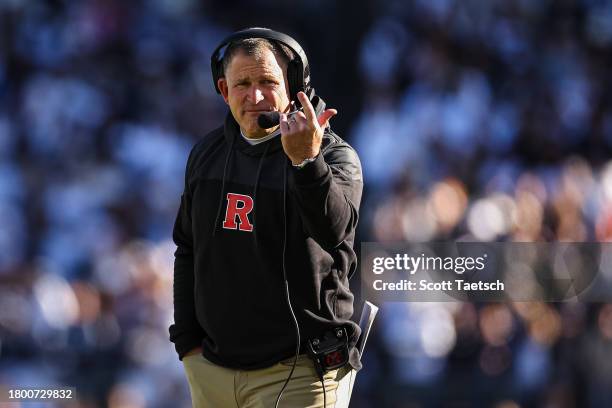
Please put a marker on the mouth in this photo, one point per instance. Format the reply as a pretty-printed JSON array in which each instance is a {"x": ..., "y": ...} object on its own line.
[{"x": 258, "y": 110}]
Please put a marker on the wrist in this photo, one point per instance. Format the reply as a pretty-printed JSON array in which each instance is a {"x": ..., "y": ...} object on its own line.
[
  {"x": 311, "y": 171},
  {"x": 301, "y": 164},
  {"x": 304, "y": 158}
]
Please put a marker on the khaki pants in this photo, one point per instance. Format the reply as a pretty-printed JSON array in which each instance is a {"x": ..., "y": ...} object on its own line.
[{"x": 219, "y": 387}]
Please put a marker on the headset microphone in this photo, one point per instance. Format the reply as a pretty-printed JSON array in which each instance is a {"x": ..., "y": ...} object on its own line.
[{"x": 268, "y": 120}]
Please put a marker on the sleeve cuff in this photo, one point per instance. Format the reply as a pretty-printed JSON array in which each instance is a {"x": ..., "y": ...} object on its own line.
[
  {"x": 311, "y": 171},
  {"x": 185, "y": 342}
]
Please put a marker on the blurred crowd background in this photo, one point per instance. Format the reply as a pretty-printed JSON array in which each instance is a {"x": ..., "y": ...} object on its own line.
[{"x": 478, "y": 119}]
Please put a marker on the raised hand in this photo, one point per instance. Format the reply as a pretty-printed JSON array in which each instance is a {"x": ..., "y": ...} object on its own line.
[{"x": 301, "y": 134}]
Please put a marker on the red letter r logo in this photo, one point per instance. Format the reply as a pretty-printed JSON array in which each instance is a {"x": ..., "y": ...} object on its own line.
[{"x": 240, "y": 206}]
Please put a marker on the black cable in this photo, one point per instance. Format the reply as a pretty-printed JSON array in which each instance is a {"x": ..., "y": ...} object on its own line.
[
  {"x": 324, "y": 393},
  {"x": 321, "y": 374},
  {"x": 287, "y": 296}
]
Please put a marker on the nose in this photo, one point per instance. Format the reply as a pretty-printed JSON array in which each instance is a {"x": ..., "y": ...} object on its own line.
[{"x": 255, "y": 95}]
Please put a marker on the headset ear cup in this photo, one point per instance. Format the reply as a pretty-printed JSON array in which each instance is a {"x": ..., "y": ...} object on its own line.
[
  {"x": 297, "y": 76},
  {"x": 215, "y": 77},
  {"x": 305, "y": 77},
  {"x": 292, "y": 80},
  {"x": 220, "y": 74},
  {"x": 216, "y": 68}
]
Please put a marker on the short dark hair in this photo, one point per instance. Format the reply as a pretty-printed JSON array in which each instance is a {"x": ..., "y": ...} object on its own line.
[{"x": 255, "y": 47}]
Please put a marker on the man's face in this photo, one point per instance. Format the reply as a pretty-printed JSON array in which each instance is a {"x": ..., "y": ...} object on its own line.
[{"x": 252, "y": 86}]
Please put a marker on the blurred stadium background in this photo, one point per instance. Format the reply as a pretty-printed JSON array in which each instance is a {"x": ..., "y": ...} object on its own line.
[{"x": 488, "y": 119}]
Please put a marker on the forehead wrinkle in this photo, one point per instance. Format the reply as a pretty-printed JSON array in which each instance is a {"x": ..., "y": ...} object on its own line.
[
  {"x": 258, "y": 75},
  {"x": 253, "y": 67}
]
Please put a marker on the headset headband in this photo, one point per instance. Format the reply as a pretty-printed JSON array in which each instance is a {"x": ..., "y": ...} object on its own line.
[{"x": 298, "y": 70}]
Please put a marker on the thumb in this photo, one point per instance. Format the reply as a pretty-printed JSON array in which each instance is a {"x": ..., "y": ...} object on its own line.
[{"x": 326, "y": 116}]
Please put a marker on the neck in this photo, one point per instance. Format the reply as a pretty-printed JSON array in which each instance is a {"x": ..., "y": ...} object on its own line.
[
  {"x": 267, "y": 133},
  {"x": 260, "y": 139}
]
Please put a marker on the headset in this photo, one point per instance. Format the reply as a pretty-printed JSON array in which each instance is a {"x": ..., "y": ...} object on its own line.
[{"x": 298, "y": 70}]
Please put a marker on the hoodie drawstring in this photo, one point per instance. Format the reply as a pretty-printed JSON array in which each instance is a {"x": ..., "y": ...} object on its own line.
[
  {"x": 257, "y": 177},
  {"x": 227, "y": 159}
]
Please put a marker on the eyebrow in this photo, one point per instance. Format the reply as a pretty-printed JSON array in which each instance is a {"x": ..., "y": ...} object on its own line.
[{"x": 261, "y": 78}]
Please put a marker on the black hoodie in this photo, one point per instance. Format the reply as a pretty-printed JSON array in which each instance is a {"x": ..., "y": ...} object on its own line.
[{"x": 229, "y": 290}]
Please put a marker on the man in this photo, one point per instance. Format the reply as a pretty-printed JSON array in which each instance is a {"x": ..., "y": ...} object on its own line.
[{"x": 264, "y": 237}]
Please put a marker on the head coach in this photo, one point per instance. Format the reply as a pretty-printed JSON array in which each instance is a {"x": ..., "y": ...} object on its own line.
[{"x": 264, "y": 237}]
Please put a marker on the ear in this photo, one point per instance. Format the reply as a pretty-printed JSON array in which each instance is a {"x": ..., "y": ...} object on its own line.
[{"x": 222, "y": 84}]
